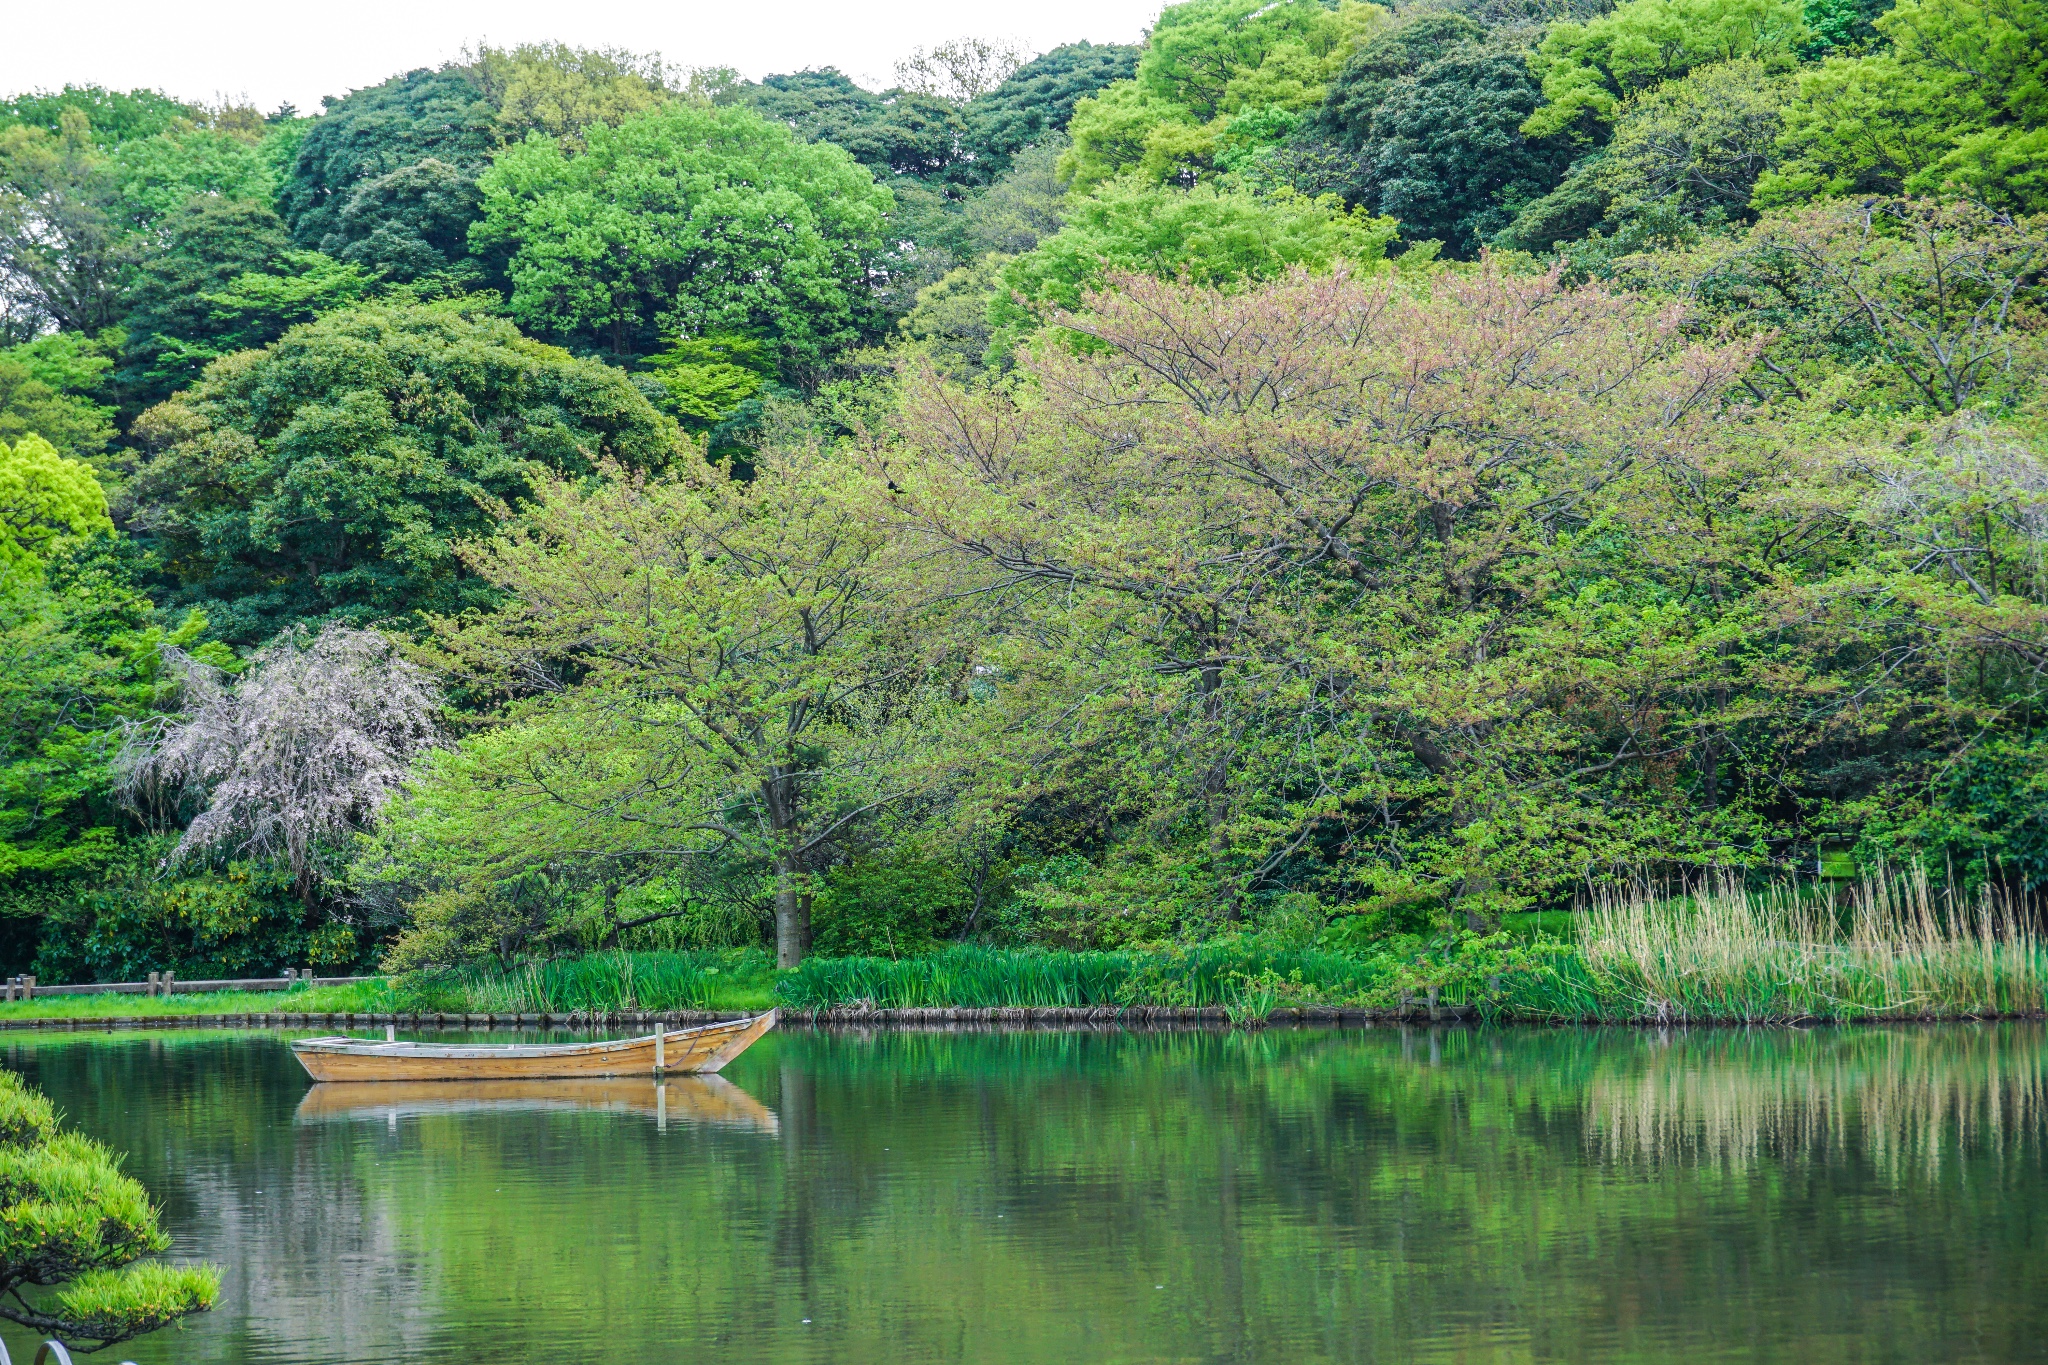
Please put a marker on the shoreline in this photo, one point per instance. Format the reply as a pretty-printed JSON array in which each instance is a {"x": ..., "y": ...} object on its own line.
[{"x": 1020, "y": 1017}]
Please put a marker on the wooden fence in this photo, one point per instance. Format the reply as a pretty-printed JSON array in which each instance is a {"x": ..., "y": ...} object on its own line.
[{"x": 166, "y": 983}]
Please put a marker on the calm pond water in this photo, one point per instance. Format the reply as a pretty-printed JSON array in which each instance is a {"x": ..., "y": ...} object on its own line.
[{"x": 1471, "y": 1196}]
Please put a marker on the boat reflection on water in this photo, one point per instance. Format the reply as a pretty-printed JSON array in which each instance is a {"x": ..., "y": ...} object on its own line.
[{"x": 695, "y": 1101}]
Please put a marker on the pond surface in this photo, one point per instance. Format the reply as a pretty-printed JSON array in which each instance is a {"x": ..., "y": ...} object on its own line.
[{"x": 1472, "y": 1196}]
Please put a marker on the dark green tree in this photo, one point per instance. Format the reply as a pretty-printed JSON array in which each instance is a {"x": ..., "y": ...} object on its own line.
[
  {"x": 409, "y": 223},
  {"x": 900, "y": 133},
  {"x": 1038, "y": 99},
  {"x": 423, "y": 115},
  {"x": 173, "y": 327},
  {"x": 1447, "y": 157},
  {"x": 1354, "y": 98},
  {"x": 331, "y": 474}
]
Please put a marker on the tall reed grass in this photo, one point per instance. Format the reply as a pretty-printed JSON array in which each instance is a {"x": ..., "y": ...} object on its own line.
[{"x": 1893, "y": 947}]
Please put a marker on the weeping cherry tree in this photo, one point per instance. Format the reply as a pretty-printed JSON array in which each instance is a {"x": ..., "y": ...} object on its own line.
[{"x": 293, "y": 757}]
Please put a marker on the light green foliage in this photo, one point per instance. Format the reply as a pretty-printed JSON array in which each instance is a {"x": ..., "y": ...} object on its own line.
[
  {"x": 1954, "y": 102},
  {"x": 362, "y": 997},
  {"x": 1873, "y": 307},
  {"x": 748, "y": 690},
  {"x": 687, "y": 219},
  {"x": 599, "y": 982},
  {"x": 157, "y": 175},
  {"x": 1213, "y": 57},
  {"x": 1128, "y": 126},
  {"x": 952, "y": 314},
  {"x": 47, "y": 501},
  {"x": 978, "y": 978},
  {"x": 707, "y": 378},
  {"x": 85, "y": 657},
  {"x": 114, "y": 116},
  {"x": 1207, "y": 60},
  {"x": 258, "y": 306},
  {"x": 1588, "y": 69},
  {"x": 1210, "y": 236},
  {"x": 47, "y": 388},
  {"x": 558, "y": 90},
  {"x": 1694, "y": 147},
  {"x": 69, "y": 1218}
]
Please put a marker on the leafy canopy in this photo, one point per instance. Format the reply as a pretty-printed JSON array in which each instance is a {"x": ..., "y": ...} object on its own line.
[
  {"x": 1210, "y": 236},
  {"x": 1956, "y": 100},
  {"x": 46, "y": 501},
  {"x": 688, "y": 219},
  {"x": 332, "y": 472},
  {"x": 1588, "y": 69},
  {"x": 1038, "y": 99}
]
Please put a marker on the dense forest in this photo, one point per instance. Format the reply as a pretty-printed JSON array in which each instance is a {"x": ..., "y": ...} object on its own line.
[{"x": 1332, "y": 472}]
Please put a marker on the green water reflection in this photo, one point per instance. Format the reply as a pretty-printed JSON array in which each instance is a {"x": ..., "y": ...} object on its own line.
[{"x": 1868, "y": 1195}]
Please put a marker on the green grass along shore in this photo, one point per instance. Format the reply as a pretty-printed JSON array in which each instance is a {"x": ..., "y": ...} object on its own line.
[{"x": 1892, "y": 950}]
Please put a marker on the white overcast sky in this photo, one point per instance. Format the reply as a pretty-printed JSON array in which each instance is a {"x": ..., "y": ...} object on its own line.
[{"x": 271, "y": 51}]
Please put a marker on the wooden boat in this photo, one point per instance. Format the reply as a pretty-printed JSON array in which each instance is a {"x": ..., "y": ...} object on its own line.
[
  {"x": 704, "y": 1048},
  {"x": 700, "y": 1101}
]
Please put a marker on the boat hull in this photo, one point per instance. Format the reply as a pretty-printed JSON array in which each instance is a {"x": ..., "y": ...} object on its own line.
[{"x": 700, "y": 1050}]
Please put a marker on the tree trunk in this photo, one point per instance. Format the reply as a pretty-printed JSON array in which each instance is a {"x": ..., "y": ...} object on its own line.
[
  {"x": 792, "y": 900},
  {"x": 792, "y": 915}
]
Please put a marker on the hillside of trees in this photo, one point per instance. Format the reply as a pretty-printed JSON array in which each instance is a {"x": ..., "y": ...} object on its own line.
[{"x": 1349, "y": 474}]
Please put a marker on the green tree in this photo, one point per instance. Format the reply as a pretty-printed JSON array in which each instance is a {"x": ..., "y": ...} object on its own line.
[
  {"x": 116, "y": 116},
  {"x": 1694, "y": 148},
  {"x": 1209, "y": 236},
  {"x": 47, "y": 388},
  {"x": 1213, "y": 57},
  {"x": 420, "y": 116},
  {"x": 331, "y": 473},
  {"x": 734, "y": 673},
  {"x": 46, "y": 502},
  {"x": 1038, "y": 99},
  {"x": 1204, "y": 62},
  {"x": 1446, "y": 158},
  {"x": 75, "y": 1223},
  {"x": 63, "y": 242},
  {"x": 689, "y": 219},
  {"x": 1955, "y": 100},
  {"x": 1588, "y": 69},
  {"x": 1354, "y": 96},
  {"x": 86, "y": 653},
  {"x": 155, "y": 176},
  {"x": 173, "y": 328},
  {"x": 1127, "y": 127},
  {"x": 558, "y": 90}
]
